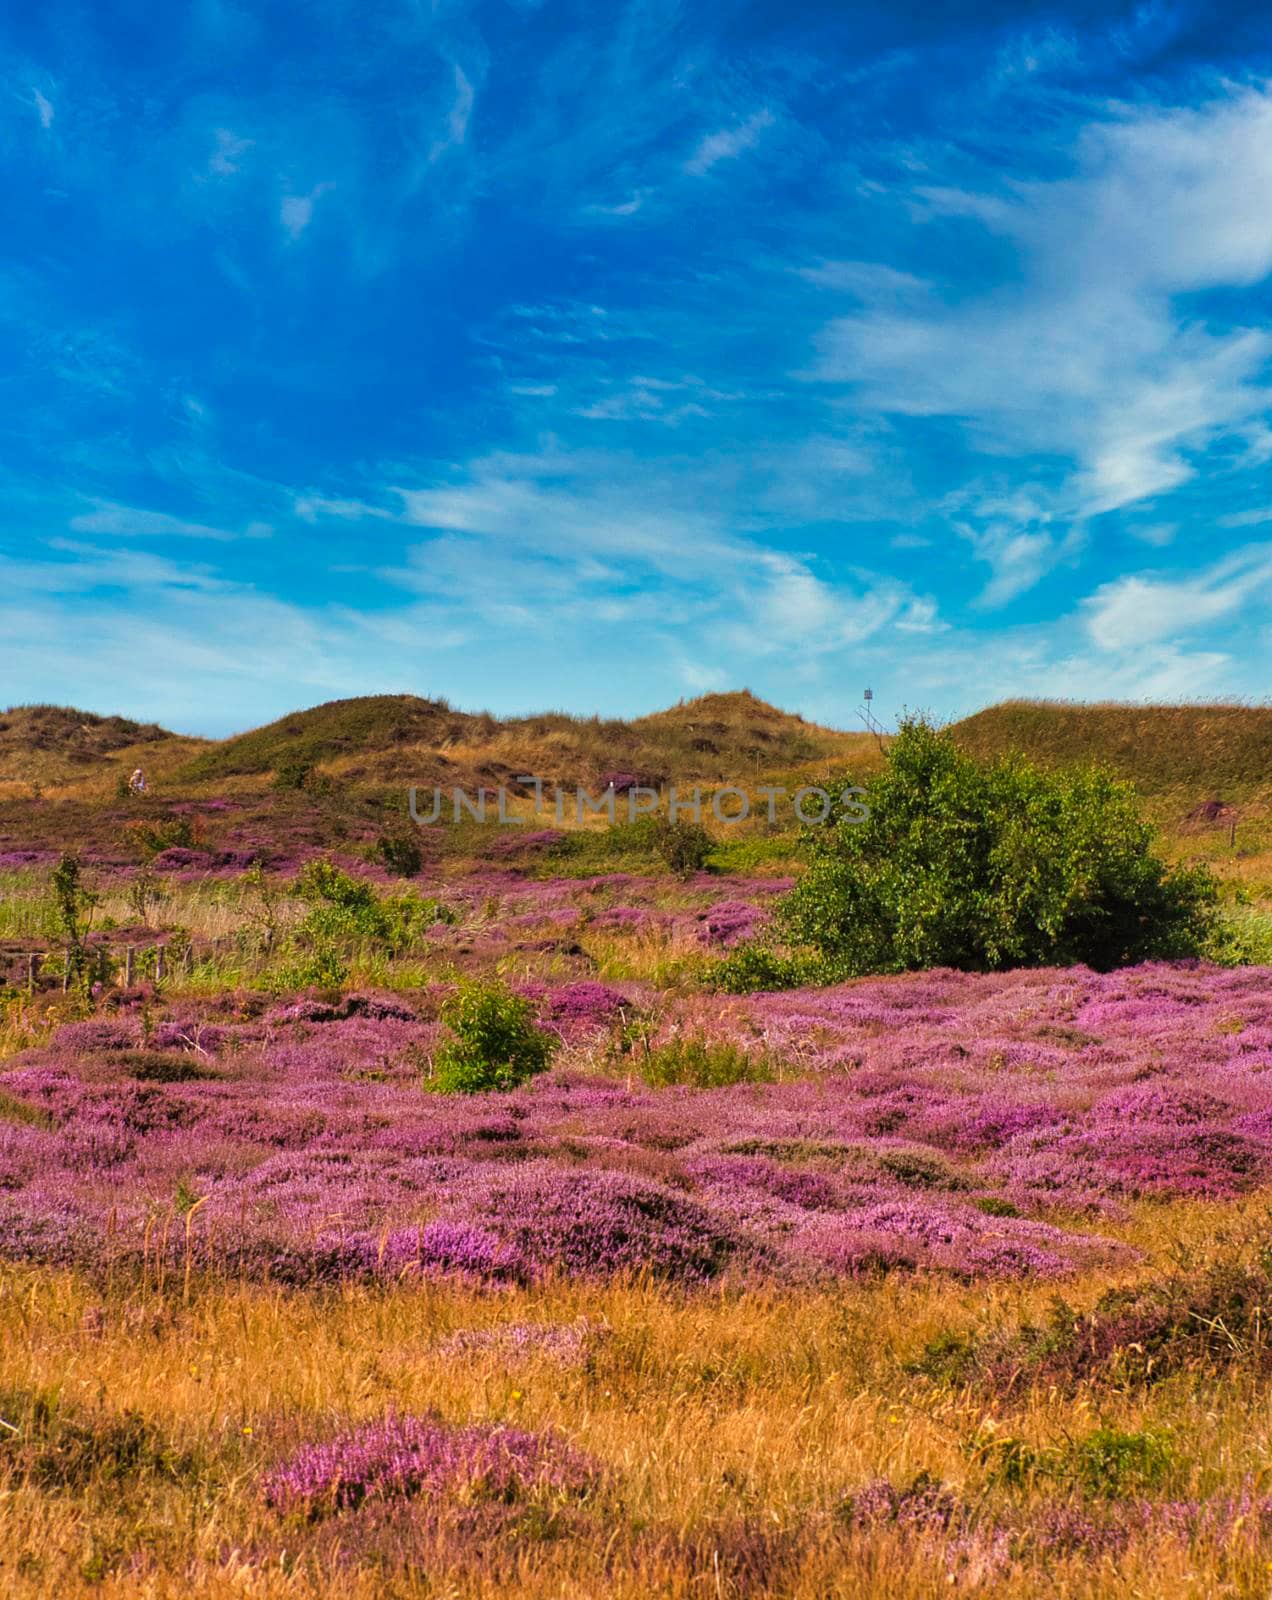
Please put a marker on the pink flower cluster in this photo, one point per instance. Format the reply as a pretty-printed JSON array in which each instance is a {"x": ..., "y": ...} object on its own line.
[
  {"x": 407, "y": 1456},
  {"x": 941, "y": 1121}
]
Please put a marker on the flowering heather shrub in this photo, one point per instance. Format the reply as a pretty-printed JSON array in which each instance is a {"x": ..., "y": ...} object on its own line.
[
  {"x": 542, "y": 841},
  {"x": 728, "y": 922},
  {"x": 576, "y": 1007},
  {"x": 378, "y": 1007},
  {"x": 436, "y": 1250},
  {"x": 1188, "y": 1322},
  {"x": 630, "y": 919},
  {"x": 88, "y": 1038},
  {"x": 923, "y": 1505},
  {"x": 408, "y": 1456},
  {"x": 935, "y": 1122},
  {"x": 12, "y": 859},
  {"x": 1050, "y": 1530},
  {"x": 180, "y": 859},
  {"x": 567, "y": 1344},
  {"x": 592, "y": 1224}
]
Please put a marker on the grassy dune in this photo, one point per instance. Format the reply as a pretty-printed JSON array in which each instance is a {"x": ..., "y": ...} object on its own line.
[{"x": 1202, "y": 750}]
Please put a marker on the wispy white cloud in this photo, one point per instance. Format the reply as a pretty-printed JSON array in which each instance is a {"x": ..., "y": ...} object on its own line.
[
  {"x": 1088, "y": 351},
  {"x": 1135, "y": 610},
  {"x": 228, "y": 152},
  {"x": 458, "y": 117},
  {"x": 44, "y": 108},
  {"x": 728, "y": 143},
  {"x": 296, "y": 211},
  {"x": 132, "y": 521}
]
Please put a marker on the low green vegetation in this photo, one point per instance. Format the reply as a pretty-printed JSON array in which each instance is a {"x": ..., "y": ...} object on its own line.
[
  {"x": 698, "y": 1063},
  {"x": 494, "y": 1042}
]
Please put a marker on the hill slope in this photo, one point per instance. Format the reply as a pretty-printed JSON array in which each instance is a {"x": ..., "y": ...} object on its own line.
[
  {"x": 1215, "y": 749},
  {"x": 48, "y": 745},
  {"x": 323, "y": 733},
  {"x": 401, "y": 737}
]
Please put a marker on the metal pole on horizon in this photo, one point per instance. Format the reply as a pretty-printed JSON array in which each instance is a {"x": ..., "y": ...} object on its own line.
[{"x": 867, "y": 716}]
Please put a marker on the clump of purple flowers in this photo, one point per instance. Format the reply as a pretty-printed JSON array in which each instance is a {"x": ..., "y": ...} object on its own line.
[
  {"x": 566, "y": 1343},
  {"x": 407, "y": 1456},
  {"x": 730, "y": 921},
  {"x": 526, "y": 844}
]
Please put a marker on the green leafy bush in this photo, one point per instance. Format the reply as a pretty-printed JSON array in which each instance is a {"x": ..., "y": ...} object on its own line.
[
  {"x": 345, "y": 911},
  {"x": 1241, "y": 937},
  {"x": 1107, "y": 1461},
  {"x": 683, "y": 847},
  {"x": 153, "y": 837},
  {"x": 754, "y": 966},
  {"x": 73, "y": 905},
  {"x": 293, "y": 775},
  {"x": 494, "y": 1044},
  {"x": 400, "y": 853},
  {"x": 983, "y": 867},
  {"x": 340, "y": 906}
]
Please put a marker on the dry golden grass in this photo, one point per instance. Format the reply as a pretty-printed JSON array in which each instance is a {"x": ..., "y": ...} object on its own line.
[{"x": 711, "y": 1412}]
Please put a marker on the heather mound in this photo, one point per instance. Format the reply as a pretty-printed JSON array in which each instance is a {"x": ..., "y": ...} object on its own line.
[{"x": 947, "y": 1123}]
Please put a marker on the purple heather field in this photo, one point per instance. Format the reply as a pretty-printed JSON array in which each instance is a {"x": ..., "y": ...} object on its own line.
[{"x": 982, "y": 1126}]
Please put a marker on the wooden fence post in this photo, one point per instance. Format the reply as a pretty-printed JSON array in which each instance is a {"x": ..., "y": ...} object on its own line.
[
  {"x": 128, "y": 967},
  {"x": 158, "y": 963}
]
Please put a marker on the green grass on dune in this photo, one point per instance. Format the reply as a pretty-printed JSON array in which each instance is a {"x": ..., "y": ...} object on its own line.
[{"x": 1222, "y": 751}]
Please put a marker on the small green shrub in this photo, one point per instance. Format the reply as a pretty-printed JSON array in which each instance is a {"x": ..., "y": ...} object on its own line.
[
  {"x": 400, "y": 854},
  {"x": 683, "y": 847},
  {"x": 320, "y": 967},
  {"x": 753, "y": 966},
  {"x": 293, "y": 775},
  {"x": 495, "y": 1042},
  {"x": 146, "y": 893},
  {"x": 151, "y": 838},
  {"x": 73, "y": 905},
  {"x": 346, "y": 914},
  {"x": 408, "y": 916},
  {"x": 60, "y": 1448},
  {"x": 340, "y": 906},
  {"x": 1107, "y": 1461},
  {"x": 1241, "y": 937}
]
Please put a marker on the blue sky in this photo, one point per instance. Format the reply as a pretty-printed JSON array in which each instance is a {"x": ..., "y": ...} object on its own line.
[{"x": 565, "y": 354}]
